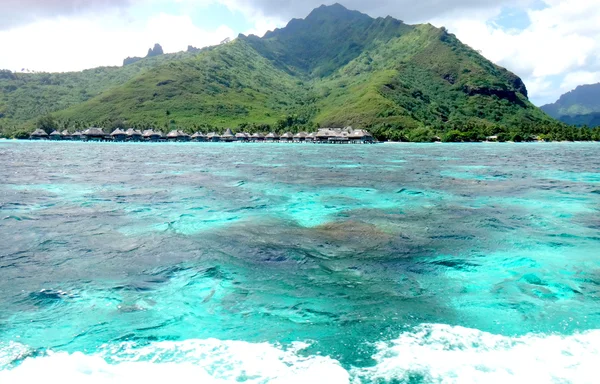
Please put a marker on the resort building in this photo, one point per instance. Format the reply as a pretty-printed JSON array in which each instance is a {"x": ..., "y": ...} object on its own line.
[
  {"x": 343, "y": 136},
  {"x": 119, "y": 135},
  {"x": 287, "y": 137},
  {"x": 272, "y": 137},
  {"x": 198, "y": 137},
  {"x": 241, "y": 136},
  {"x": 346, "y": 135},
  {"x": 177, "y": 135},
  {"x": 39, "y": 134},
  {"x": 134, "y": 135},
  {"x": 213, "y": 137},
  {"x": 228, "y": 136},
  {"x": 94, "y": 134},
  {"x": 152, "y": 135},
  {"x": 55, "y": 135},
  {"x": 300, "y": 137}
]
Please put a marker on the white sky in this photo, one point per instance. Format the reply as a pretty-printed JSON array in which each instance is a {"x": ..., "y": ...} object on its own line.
[{"x": 554, "y": 45}]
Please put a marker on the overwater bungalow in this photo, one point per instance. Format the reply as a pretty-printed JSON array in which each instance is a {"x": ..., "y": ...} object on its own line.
[
  {"x": 256, "y": 137},
  {"x": 119, "y": 135},
  {"x": 272, "y": 137},
  {"x": 213, "y": 137},
  {"x": 173, "y": 135},
  {"x": 77, "y": 135},
  {"x": 198, "y": 137},
  {"x": 311, "y": 137},
  {"x": 55, "y": 135},
  {"x": 241, "y": 136},
  {"x": 94, "y": 134},
  {"x": 147, "y": 134},
  {"x": 228, "y": 136},
  {"x": 287, "y": 137},
  {"x": 339, "y": 139},
  {"x": 134, "y": 135},
  {"x": 323, "y": 135},
  {"x": 152, "y": 135},
  {"x": 39, "y": 134},
  {"x": 358, "y": 136},
  {"x": 300, "y": 137},
  {"x": 184, "y": 137},
  {"x": 65, "y": 135}
]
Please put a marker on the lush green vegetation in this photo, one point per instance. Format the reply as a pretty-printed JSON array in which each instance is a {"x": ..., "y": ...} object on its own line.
[
  {"x": 26, "y": 96},
  {"x": 335, "y": 68}
]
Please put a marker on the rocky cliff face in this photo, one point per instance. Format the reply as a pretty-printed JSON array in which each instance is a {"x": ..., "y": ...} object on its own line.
[{"x": 157, "y": 50}]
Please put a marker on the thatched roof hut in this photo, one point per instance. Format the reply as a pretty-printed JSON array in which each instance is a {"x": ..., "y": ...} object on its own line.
[
  {"x": 360, "y": 135},
  {"x": 66, "y": 135},
  {"x": 77, "y": 135},
  {"x": 147, "y": 133},
  {"x": 134, "y": 134},
  {"x": 183, "y": 136},
  {"x": 241, "y": 136},
  {"x": 325, "y": 133},
  {"x": 257, "y": 137},
  {"x": 119, "y": 135},
  {"x": 198, "y": 136},
  {"x": 272, "y": 137},
  {"x": 55, "y": 135},
  {"x": 173, "y": 135},
  {"x": 38, "y": 134},
  {"x": 94, "y": 133},
  {"x": 228, "y": 135}
]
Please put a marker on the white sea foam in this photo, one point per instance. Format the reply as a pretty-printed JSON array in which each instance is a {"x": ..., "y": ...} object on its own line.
[
  {"x": 430, "y": 353},
  {"x": 197, "y": 361},
  {"x": 436, "y": 353}
]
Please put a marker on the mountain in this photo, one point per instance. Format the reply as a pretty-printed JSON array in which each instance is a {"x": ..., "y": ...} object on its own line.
[
  {"x": 581, "y": 106},
  {"x": 336, "y": 67}
]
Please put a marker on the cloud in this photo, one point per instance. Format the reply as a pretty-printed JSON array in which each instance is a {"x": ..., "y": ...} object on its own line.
[
  {"x": 18, "y": 12},
  {"x": 76, "y": 43}
]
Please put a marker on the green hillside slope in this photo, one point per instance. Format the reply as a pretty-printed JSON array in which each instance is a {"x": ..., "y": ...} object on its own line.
[
  {"x": 25, "y": 96},
  {"x": 228, "y": 85}
]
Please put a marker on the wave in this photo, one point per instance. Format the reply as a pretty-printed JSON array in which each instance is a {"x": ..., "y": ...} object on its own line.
[
  {"x": 203, "y": 361},
  {"x": 430, "y": 353},
  {"x": 435, "y": 353}
]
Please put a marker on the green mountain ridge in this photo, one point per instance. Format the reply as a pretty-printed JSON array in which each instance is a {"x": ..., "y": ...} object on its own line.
[
  {"x": 580, "y": 106},
  {"x": 336, "y": 67}
]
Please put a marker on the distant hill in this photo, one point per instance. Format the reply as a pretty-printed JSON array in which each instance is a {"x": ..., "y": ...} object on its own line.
[
  {"x": 581, "y": 106},
  {"x": 336, "y": 67}
]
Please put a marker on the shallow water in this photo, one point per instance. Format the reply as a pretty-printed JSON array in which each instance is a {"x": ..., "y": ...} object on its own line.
[{"x": 295, "y": 263}]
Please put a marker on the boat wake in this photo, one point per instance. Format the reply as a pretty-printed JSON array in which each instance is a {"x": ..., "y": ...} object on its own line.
[{"x": 429, "y": 353}]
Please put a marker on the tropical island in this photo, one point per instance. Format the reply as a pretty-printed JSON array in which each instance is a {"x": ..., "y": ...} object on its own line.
[{"x": 335, "y": 68}]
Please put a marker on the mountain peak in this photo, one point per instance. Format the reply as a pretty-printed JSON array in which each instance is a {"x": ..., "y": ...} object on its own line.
[
  {"x": 335, "y": 11},
  {"x": 156, "y": 51}
]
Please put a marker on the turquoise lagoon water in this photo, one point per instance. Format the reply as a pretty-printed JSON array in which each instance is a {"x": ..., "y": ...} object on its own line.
[{"x": 220, "y": 263}]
